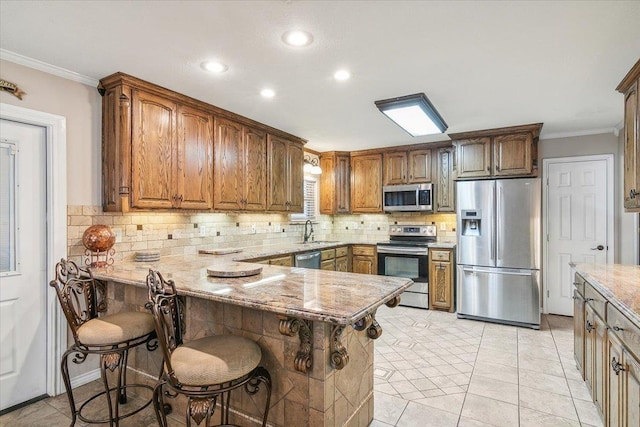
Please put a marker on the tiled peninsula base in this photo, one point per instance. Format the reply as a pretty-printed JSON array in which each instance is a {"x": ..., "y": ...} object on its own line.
[{"x": 322, "y": 397}]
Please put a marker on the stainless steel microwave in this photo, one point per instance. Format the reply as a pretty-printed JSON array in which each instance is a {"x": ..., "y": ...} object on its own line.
[{"x": 408, "y": 198}]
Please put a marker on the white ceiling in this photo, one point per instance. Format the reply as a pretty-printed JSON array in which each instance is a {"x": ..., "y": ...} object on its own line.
[{"x": 482, "y": 64}]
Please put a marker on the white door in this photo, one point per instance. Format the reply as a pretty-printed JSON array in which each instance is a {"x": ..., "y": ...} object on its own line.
[
  {"x": 23, "y": 284},
  {"x": 577, "y": 225}
]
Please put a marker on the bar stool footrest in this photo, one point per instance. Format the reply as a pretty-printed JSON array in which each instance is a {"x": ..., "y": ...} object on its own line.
[{"x": 118, "y": 397}]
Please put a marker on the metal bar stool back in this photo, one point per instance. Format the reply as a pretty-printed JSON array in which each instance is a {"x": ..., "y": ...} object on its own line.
[
  {"x": 204, "y": 370},
  {"x": 82, "y": 299}
]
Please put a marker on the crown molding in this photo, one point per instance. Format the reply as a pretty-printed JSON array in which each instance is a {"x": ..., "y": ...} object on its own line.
[
  {"x": 36, "y": 64},
  {"x": 557, "y": 135}
]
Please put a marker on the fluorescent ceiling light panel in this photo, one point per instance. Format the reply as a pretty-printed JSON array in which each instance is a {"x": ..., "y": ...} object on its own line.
[{"x": 413, "y": 113}]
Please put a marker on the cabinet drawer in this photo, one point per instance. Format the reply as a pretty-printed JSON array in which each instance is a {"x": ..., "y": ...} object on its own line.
[
  {"x": 363, "y": 250},
  {"x": 329, "y": 264},
  {"x": 342, "y": 251},
  {"x": 595, "y": 300},
  {"x": 440, "y": 255},
  {"x": 628, "y": 333},
  {"x": 327, "y": 254},
  {"x": 578, "y": 283},
  {"x": 283, "y": 261}
]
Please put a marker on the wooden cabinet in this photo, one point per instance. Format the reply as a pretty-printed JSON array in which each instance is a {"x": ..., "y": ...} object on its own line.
[
  {"x": 153, "y": 141},
  {"x": 441, "y": 282},
  {"x": 473, "y": 158},
  {"x": 158, "y": 152},
  {"x": 239, "y": 167},
  {"x": 342, "y": 264},
  {"x": 407, "y": 167},
  {"x": 610, "y": 343},
  {"x": 629, "y": 87},
  {"x": 364, "y": 259},
  {"x": 444, "y": 187},
  {"x": 366, "y": 183},
  {"x": 335, "y": 182},
  {"x": 285, "y": 175},
  {"x": 510, "y": 151}
]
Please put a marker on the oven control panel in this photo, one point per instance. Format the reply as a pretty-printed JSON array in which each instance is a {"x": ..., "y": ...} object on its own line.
[{"x": 413, "y": 230}]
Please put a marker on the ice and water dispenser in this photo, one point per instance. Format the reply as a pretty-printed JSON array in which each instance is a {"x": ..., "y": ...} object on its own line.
[{"x": 472, "y": 222}]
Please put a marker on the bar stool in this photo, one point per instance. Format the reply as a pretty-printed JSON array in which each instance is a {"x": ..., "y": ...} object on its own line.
[
  {"x": 109, "y": 336},
  {"x": 203, "y": 370}
]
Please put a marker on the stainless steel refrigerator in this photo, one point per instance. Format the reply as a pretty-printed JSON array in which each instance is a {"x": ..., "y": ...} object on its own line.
[{"x": 498, "y": 229}]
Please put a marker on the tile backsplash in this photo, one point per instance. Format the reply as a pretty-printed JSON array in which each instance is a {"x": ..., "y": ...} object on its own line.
[{"x": 184, "y": 233}]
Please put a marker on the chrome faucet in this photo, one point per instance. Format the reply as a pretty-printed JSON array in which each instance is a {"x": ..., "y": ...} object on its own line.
[{"x": 308, "y": 234}]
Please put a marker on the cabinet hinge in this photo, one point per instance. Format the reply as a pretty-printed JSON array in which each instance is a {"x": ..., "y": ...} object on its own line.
[
  {"x": 547, "y": 293},
  {"x": 547, "y": 237}
]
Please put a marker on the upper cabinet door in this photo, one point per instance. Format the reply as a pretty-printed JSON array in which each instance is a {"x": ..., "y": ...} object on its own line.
[
  {"x": 228, "y": 171},
  {"x": 512, "y": 154},
  {"x": 444, "y": 188},
  {"x": 255, "y": 169},
  {"x": 343, "y": 183},
  {"x": 195, "y": 159},
  {"x": 473, "y": 157},
  {"x": 277, "y": 165},
  {"x": 296, "y": 178},
  {"x": 328, "y": 187},
  {"x": 395, "y": 168},
  {"x": 152, "y": 151},
  {"x": 366, "y": 183},
  {"x": 419, "y": 166}
]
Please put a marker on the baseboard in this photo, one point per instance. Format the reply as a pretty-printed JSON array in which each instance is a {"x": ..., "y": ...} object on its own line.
[{"x": 85, "y": 378}]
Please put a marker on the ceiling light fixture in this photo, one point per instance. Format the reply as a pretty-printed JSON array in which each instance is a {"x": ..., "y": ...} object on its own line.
[
  {"x": 267, "y": 93},
  {"x": 342, "y": 75},
  {"x": 311, "y": 165},
  {"x": 297, "y": 38},
  {"x": 214, "y": 67},
  {"x": 413, "y": 113}
]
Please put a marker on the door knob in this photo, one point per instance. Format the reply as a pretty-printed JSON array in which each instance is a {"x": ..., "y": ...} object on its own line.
[{"x": 599, "y": 248}]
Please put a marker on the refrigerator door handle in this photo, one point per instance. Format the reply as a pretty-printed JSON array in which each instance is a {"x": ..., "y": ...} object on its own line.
[
  {"x": 498, "y": 271},
  {"x": 498, "y": 232}
]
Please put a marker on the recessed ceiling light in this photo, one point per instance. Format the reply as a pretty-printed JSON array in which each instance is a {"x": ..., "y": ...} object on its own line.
[
  {"x": 342, "y": 75},
  {"x": 267, "y": 93},
  {"x": 214, "y": 67},
  {"x": 297, "y": 38}
]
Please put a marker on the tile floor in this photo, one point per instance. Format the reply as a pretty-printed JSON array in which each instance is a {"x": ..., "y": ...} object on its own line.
[{"x": 432, "y": 369}]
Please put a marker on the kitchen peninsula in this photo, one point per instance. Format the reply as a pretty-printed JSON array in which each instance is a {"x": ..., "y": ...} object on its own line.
[{"x": 315, "y": 329}]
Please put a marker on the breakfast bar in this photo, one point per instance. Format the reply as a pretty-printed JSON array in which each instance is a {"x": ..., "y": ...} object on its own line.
[{"x": 315, "y": 329}]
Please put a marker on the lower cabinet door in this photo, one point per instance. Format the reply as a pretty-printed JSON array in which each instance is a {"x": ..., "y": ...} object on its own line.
[
  {"x": 342, "y": 264},
  {"x": 578, "y": 331},
  {"x": 614, "y": 380},
  {"x": 328, "y": 264},
  {"x": 600, "y": 362},
  {"x": 631, "y": 393}
]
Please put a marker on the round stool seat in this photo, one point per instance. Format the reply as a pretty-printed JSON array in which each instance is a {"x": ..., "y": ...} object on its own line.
[
  {"x": 114, "y": 328},
  {"x": 215, "y": 360}
]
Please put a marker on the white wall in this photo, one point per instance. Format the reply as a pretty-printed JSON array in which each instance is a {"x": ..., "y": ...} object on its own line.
[{"x": 81, "y": 106}]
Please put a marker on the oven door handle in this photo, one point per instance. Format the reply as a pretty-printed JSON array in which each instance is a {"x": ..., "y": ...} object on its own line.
[{"x": 403, "y": 251}]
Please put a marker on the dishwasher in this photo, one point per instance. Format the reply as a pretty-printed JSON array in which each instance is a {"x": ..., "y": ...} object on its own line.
[{"x": 308, "y": 260}]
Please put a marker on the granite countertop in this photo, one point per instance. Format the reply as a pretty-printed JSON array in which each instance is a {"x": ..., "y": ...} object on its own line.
[
  {"x": 620, "y": 284},
  {"x": 318, "y": 295}
]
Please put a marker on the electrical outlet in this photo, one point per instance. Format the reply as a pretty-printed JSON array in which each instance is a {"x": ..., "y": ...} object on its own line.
[
  {"x": 443, "y": 226},
  {"x": 203, "y": 230},
  {"x": 118, "y": 233},
  {"x": 253, "y": 229}
]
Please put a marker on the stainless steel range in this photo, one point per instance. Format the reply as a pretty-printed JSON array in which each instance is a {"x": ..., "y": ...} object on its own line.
[{"x": 406, "y": 254}]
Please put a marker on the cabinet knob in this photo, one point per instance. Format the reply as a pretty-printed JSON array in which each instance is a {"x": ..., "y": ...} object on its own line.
[
  {"x": 616, "y": 366},
  {"x": 633, "y": 193},
  {"x": 488, "y": 168},
  {"x": 498, "y": 168},
  {"x": 618, "y": 328},
  {"x": 589, "y": 326}
]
